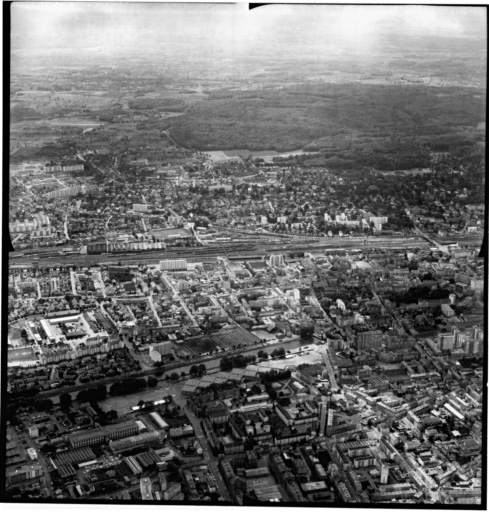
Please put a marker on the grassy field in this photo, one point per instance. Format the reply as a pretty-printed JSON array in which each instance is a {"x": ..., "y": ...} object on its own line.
[
  {"x": 218, "y": 156},
  {"x": 72, "y": 121},
  {"x": 243, "y": 153}
]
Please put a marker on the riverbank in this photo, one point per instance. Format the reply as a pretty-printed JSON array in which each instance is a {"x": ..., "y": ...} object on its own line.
[{"x": 123, "y": 404}]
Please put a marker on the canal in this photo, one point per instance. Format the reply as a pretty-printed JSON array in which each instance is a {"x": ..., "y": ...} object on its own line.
[{"x": 123, "y": 404}]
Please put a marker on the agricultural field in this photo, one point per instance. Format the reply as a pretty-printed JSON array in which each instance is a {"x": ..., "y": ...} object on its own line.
[
  {"x": 46, "y": 102},
  {"x": 72, "y": 121}
]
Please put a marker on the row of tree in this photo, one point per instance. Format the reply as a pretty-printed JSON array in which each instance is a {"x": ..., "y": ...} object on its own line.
[
  {"x": 198, "y": 369},
  {"x": 127, "y": 386},
  {"x": 174, "y": 376},
  {"x": 278, "y": 352},
  {"x": 238, "y": 361}
]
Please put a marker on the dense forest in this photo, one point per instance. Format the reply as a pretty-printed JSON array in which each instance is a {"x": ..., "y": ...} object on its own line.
[
  {"x": 387, "y": 153},
  {"x": 388, "y": 127},
  {"x": 166, "y": 104}
]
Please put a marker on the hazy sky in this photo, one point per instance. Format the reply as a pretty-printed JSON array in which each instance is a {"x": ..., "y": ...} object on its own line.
[{"x": 203, "y": 26}]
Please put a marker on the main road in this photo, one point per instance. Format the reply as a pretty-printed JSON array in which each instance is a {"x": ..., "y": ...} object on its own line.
[{"x": 209, "y": 458}]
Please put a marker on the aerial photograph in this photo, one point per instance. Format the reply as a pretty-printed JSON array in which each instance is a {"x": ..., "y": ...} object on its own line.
[{"x": 247, "y": 259}]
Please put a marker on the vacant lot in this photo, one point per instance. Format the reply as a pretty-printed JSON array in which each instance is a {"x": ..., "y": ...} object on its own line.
[{"x": 167, "y": 232}]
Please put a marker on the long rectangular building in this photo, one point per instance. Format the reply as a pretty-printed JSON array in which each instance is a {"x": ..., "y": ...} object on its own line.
[
  {"x": 180, "y": 264},
  {"x": 158, "y": 420},
  {"x": 100, "y": 435},
  {"x": 145, "y": 439},
  {"x": 64, "y": 167}
]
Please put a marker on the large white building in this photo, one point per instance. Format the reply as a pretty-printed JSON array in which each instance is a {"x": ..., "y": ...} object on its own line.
[
  {"x": 64, "y": 167},
  {"x": 156, "y": 352},
  {"x": 144, "y": 208},
  {"x": 39, "y": 221},
  {"x": 276, "y": 260},
  {"x": 146, "y": 488},
  {"x": 64, "y": 192},
  {"x": 341, "y": 218},
  {"x": 72, "y": 191},
  {"x": 173, "y": 264},
  {"x": 378, "y": 222}
]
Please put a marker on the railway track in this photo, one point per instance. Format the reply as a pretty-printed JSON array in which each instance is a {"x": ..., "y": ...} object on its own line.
[{"x": 257, "y": 249}]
